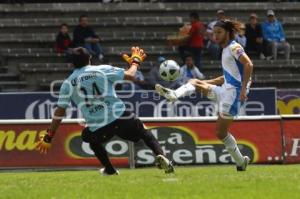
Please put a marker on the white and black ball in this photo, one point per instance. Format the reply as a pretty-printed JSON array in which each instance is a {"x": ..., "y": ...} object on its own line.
[{"x": 169, "y": 70}]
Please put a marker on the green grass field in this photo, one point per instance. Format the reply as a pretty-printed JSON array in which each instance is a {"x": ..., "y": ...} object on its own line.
[{"x": 209, "y": 182}]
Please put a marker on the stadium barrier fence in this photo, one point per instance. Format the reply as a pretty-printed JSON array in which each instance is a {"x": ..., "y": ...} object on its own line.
[{"x": 187, "y": 141}]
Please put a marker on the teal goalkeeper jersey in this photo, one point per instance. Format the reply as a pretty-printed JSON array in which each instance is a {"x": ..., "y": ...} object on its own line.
[{"x": 91, "y": 88}]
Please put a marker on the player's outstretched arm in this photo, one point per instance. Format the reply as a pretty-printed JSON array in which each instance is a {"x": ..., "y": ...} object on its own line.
[
  {"x": 137, "y": 57},
  {"x": 44, "y": 144},
  {"x": 129, "y": 74},
  {"x": 248, "y": 68}
]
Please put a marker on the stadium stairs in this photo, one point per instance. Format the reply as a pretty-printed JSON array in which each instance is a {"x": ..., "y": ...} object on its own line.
[{"x": 28, "y": 61}]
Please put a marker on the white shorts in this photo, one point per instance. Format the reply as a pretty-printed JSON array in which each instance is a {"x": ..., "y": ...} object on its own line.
[{"x": 227, "y": 99}]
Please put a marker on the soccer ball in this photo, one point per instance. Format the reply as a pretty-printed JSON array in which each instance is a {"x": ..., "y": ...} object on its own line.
[{"x": 169, "y": 70}]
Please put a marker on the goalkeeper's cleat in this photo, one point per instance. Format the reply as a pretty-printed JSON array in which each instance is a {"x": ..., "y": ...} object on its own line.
[
  {"x": 105, "y": 173},
  {"x": 169, "y": 94},
  {"x": 158, "y": 165},
  {"x": 243, "y": 167},
  {"x": 165, "y": 164}
]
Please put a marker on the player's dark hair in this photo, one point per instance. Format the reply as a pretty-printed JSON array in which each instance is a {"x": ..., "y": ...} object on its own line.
[
  {"x": 80, "y": 57},
  {"x": 231, "y": 26},
  {"x": 194, "y": 15},
  {"x": 82, "y": 16}
]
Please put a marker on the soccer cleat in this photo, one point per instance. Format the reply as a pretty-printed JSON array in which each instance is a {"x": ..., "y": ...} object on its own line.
[
  {"x": 158, "y": 165},
  {"x": 165, "y": 164},
  {"x": 244, "y": 165},
  {"x": 169, "y": 94},
  {"x": 105, "y": 173}
]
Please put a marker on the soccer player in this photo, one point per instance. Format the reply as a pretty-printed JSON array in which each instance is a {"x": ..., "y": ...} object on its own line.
[
  {"x": 91, "y": 88},
  {"x": 229, "y": 90}
]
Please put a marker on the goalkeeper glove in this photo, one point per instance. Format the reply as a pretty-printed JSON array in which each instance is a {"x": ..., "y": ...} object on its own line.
[
  {"x": 44, "y": 144},
  {"x": 137, "y": 56}
]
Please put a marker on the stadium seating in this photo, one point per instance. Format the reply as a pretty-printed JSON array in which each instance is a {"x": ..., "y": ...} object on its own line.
[{"x": 28, "y": 60}]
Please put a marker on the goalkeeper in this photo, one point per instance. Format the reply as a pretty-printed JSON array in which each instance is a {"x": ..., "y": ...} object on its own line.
[{"x": 91, "y": 88}]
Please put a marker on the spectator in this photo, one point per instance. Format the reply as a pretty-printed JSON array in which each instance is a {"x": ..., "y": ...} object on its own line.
[
  {"x": 240, "y": 37},
  {"x": 84, "y": 36},
  {"x": 274, "y": 34},
  {"x": 190, "y": 71},
  {"x": 195, "y": 40},
  {"x": 63, "y": 42},
  {"x": 254, "y": 37},
  {"x": 154, "y": 76},
  {"x": 213, "y": 48},
  {"x": 139, "y": 82}
]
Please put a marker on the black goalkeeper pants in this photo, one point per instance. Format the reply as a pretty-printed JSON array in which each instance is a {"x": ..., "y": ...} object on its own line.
[{"x": 127, "y": 127}]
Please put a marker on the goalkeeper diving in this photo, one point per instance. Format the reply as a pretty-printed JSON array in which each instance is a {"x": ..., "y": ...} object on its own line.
[{"x": 91, "y": 88}]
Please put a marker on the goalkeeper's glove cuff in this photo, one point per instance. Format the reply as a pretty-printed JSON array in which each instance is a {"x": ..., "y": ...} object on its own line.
[
  {"x": 49, "y": 136},
  {"x": 136, "y": 60}
]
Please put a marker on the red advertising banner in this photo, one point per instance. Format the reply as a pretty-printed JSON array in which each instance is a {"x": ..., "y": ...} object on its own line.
[
  {"x": 196, "y": 143},
  {"x": 291, "y": 130},
  {"x": 185, "y": 142},
  {"x": 17, "y": 143}
]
